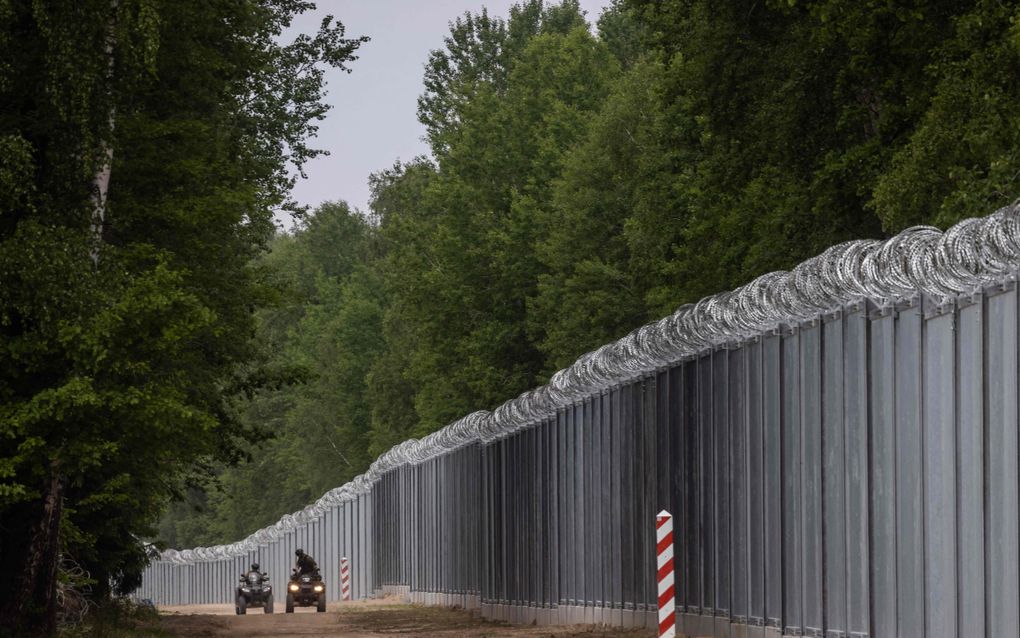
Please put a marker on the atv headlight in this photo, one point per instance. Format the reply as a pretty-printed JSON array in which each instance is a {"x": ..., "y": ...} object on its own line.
[
  {"x": 294, "y": 587},
  {"x": 317, "y": 588},
  {"x": 246, "y": 589}
]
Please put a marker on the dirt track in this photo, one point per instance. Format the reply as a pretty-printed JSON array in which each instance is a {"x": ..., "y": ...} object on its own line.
[{"x": 364, "y": 619}]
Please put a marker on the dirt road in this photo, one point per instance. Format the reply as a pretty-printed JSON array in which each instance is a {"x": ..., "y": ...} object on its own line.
[{"x": 363, "y": 619}]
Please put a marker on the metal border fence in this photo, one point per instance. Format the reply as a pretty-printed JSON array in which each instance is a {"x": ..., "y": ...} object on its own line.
[{"x": 837, "y": 445}]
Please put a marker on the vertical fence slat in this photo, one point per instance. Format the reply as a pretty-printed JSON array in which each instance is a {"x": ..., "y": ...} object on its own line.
[
  {"x": 855, "y": 350},
  {"x": 834, "y": 472},
  {"x": 811, "y": 447},
  {"x": 792, "y": 490},
  {"x": 771, "y": 372},
  {"x": 909, "y": 494},
  {"x": 970, "y": 446},
  {"x": 1003, "y": 521},
  {"x": 883, "y": 469},
  {"x": 738, "y": 486},
  {"x": 939, "y": 472},
  {"x": 756, "y": 491}
]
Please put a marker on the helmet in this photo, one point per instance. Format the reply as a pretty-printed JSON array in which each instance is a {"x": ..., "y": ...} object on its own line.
[
  {"x": 254, "y": 567},
  {"x": 299, "y": 552}
]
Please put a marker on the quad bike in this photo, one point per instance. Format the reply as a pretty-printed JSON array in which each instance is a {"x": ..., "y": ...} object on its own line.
[
  {"x": 254, "y": 590},
  {"x": 305, "y": 590}
]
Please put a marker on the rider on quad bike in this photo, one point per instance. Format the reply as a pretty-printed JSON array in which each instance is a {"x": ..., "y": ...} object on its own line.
[
  {"x": 254, "y": 590},
  {"x": 306, "y": 587},
  {"x": 306, "y": 565}
]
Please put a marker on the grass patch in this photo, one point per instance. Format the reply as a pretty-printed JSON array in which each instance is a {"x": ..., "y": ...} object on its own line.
[{"x": 118, "y": 618}]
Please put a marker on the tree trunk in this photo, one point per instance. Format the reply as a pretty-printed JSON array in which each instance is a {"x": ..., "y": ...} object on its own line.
[
  {"x": 33, "y": 607},
  {"x": 100, "y": 186},
  {"x": 101, "y": 180}
]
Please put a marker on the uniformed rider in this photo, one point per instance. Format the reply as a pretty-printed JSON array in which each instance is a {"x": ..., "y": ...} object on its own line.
[
  {"x": 255, "y": 568},
  {"x": 306, "y": 565},
  {"x": 253, "y": 577}
]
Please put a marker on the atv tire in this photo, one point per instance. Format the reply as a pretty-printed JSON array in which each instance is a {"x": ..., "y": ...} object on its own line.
[
  {"x": 268, "y": 607},
  {"x": 321, "y": 606},
  {"x": 242, "y": 605},
  {"x": 290, "y": 603}
]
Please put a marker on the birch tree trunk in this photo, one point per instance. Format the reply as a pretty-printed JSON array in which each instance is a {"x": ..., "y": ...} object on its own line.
[
  {"x": 100, "y": 188},
  {"x": 101, "y": 180}
]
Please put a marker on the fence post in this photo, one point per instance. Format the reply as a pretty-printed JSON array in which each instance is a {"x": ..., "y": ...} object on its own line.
[
  {"x": 667, "y": 589},
  {"x": 345, "y": 579}
]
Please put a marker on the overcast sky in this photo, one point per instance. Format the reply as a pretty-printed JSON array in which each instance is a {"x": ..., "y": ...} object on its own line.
[{"x": 373, "y": 121}]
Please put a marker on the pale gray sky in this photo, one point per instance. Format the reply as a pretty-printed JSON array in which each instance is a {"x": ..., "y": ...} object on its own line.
[{"x": 373, "y": 121}]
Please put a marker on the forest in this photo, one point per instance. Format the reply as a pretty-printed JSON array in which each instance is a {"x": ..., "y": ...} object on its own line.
[{"x": 175, "y": 370}]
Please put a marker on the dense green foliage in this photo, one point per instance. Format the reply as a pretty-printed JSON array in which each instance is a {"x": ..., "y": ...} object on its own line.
[
  {"x": 328, "y": 328},
  {"x": 584, "y": 181},
  {"x": 126, "y": 315}
]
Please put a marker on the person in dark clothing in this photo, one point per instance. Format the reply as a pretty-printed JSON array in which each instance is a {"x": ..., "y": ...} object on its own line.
[
  {"x": 259, "y": 576},
  {"x": 305, "y": 565}
]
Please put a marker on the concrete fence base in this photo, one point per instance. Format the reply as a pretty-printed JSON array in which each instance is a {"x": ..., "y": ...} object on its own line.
[
  {"x": 403, "y": 592},
  {"x": 442, "y": 599}
]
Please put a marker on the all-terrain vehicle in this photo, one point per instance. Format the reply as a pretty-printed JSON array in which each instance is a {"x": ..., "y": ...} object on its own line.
[
  {"x": 254, "y": 590},
  {"x": 305, "y": 590}
]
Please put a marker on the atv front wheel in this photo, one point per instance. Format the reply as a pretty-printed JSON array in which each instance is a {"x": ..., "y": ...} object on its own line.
[
  {"x": 242, "y": 605},
  {"x": 290, "y": 603},
  {"x": 268, "y": 608},
  {"x": 321, "y": 606}
]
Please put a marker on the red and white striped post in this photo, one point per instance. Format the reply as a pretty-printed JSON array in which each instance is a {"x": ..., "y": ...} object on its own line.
[
  {"x": 345, "y": 579},
  {"x": 667, "y": 589}
]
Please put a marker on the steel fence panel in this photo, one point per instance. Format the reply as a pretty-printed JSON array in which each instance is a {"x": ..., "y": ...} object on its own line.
[
  {"x": 883, "y": 475},
  {"x": 909, "y": 494},
  {"x": 755, "y": 490},
  {"x": 689, "y": 489},
  {"x": 573, "y": 554},
  {"x": 855, "y": 350},
  {"x": 834, "y": 511},
  {"x": 738, "y": 462},
  {"x": 707, "y": 533},
  {"x": 562, "y": 516},
  {"x": 970, "y": 445},
  {"x": 552, "y": 460},
  {"x": 720, "y": 483},
  {"x": 1003, "y": 558},
  {"x": 616, "y": 548},
  {"x": 603, "y": 427},
  {"x": 772, "y": 370},
  {"x": 652, "y": 476},
  {"x": 596, "y": 481},
  {"x": 792, "y": 491},
  {"x": 811, "y": 463},
  {"x": 585, "y": 499},
  {"x": 939, "y": 475},
  {"x": 628, "y": 495}
]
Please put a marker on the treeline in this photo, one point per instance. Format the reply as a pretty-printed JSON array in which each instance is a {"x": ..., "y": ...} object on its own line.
[{"x": 585, "y": 179}]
